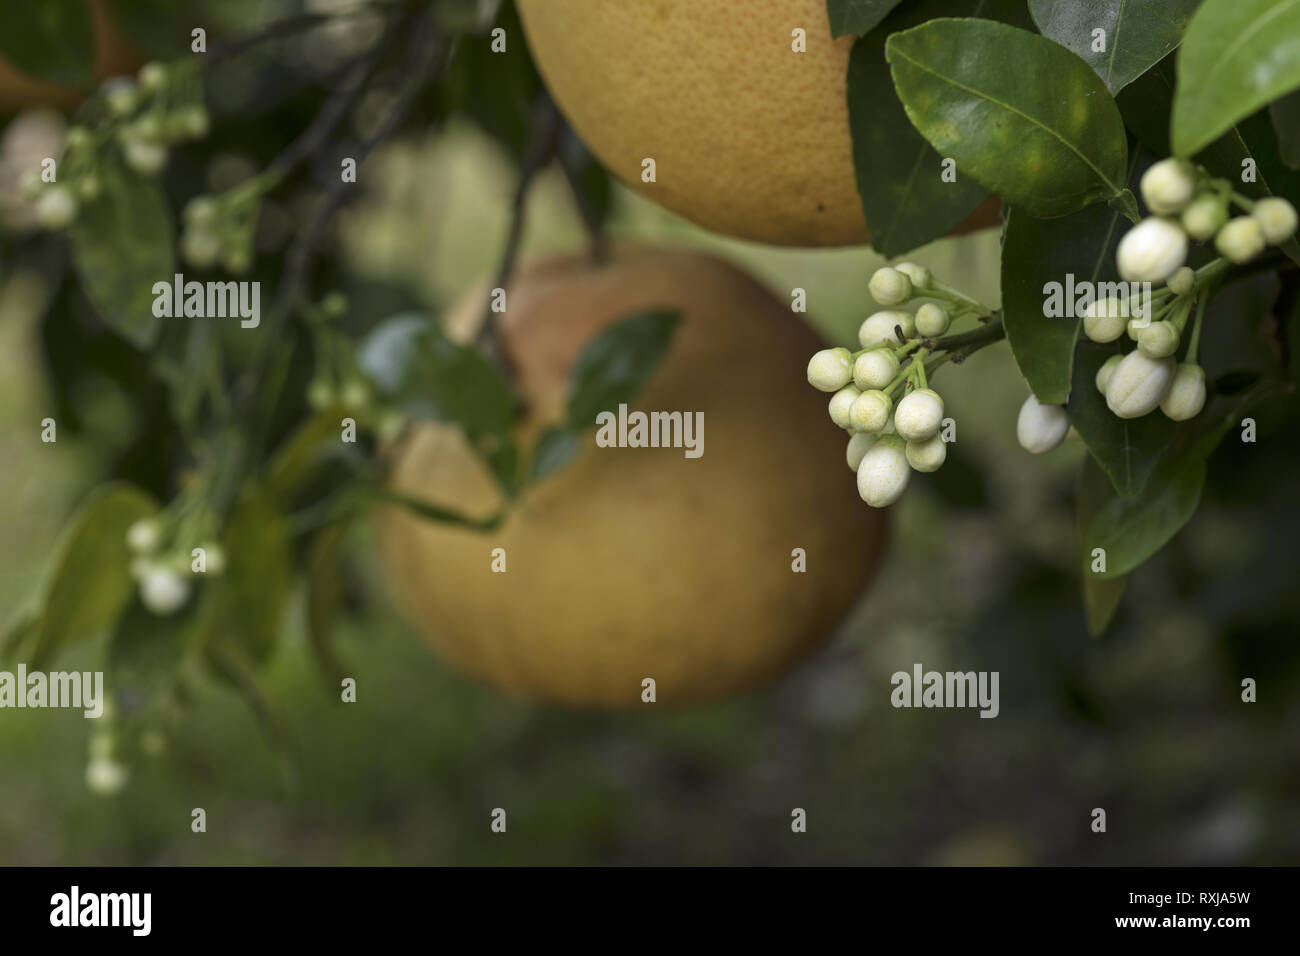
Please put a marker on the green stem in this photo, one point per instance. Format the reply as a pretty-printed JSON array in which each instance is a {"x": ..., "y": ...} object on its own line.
[
  {"x": 1195, "y": 342},
  {"x": 1126, "y": 204},
  {"x": 940, "y": 290}
]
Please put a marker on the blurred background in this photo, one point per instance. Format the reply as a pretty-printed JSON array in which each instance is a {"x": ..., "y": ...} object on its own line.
[{"x": 1146, "y": 722}]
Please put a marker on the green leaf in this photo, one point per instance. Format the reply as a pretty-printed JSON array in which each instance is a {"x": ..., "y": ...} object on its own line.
[
  {"x": 325, "y": 596},
  {"x": 1021, "y": 114},
  {"x": 1126, "y": 449},
  {"x": 410, "y": 360},
  {"x": 121, "y": 246},
  {"x": 430, "y": 511},
  {"x": 1138, "y": 33},
  {"x": 243, "y": 606},
  {"x": 857, "y": 16},
  {"x": 90, "y": 581},
  {"x": 1286, "y": 126},
  {"x": 904, "y": 198},
  {"x": 1134, "y": 528},
  {"x": 1036, "y": 252},
  {"x": 1236, "y": 57},
  {"x": 1101, "y": 598},
  {"x": 616, "y": 363},
  {"x": 555, "y": 449},
  {"x": 48, "y": 39},
  {"x": 145, "y": 652}
]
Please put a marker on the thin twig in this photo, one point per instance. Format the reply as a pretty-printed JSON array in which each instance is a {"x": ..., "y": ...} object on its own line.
[{"x": 540, "y": 150}]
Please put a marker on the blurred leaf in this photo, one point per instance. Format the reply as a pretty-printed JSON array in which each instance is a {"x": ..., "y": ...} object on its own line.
[
  {"x": 145, "y": 653},
  {"x": 294, "y": 463},
  {"x": 48, "y": 39},
  {"x": 856, "y": 16},
  {"x": 433, "y": 512},
  {"x": 1236, "y": 57},
  {"x": 160, "y": 29},
  {"x": 555, "y": 449},
  {"x": 121, "y": 246},
  {"x": 1126, "y": 449},
  {"x": 325, "y": 588},
  {"x": 1021, "y": 114},
  {"x": 18, "y": 636},
  {"x": 1034, "y": 253},
  {"x": 1138, "y": 33},
  {"x": 467, "y": 16},
  {"x": 90, "y": 580},
  {"x": 904, "y": 198},
  {"x": 1101, "y": 597},
  {"x": 243, "y": 606},
  {"x": 616, "y": 363},
  {"x": 1286, "y": 126}
]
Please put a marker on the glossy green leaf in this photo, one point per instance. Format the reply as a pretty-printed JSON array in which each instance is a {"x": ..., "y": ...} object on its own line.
[
  {"x": 121, "y": 246},
  {"x": 905, "y": 199},
  {"x": 616, "y": 363},
  {"x": 1286, "y": 126},
  {"x": 857, "y": 16},
  {"x": 1137, "y": 33},
  {"x": 90, "y": 581},
  {"x": 1237, "y": 56},
  {"x": 1023, "y": 115},
  {"x": 1035, "y": 253},
  {"x": 1127, "y": 450},
  {"x": 1131, "y": 529},
  {"x": 48, "y": 39}
]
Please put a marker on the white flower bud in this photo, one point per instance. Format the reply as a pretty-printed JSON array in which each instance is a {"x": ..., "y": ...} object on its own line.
[
  {"x": 1138, "y": 384},
  {"x": 840, "y": 404},
  {"x": 1182, "y": 281},
  {"x": 932, "y": 320},
  {"x": 1186, "y": 395},
  {"x": 879, "y": 328},
  {"x": 1151, "y": 251},
  {"x": 884, "y": 472},
  {"x": 1158, "y": 339},
  {"x": 144, "y": 536},
  {"x": 1106, "y": 371},
  {"x": 163, "y": 591},
  {"x": 121, "y": 95},
  {"x": 830, "y": 369},
  {"x": 152, "y": 77},
  {"x": 859, "y": 445},
  {"x": 105, "y": 777},
  {"x": 919, "y": 415},
  {"x": 875, "y": 369},
  {"x": 1240, "y": 240},
  {"x": 200, "y": 211},
  {"x": 1135, "y": 327},
  {"x": 1168, "y": 186},
  {"x": 1040, "y": 428},
  {"x": 870, "y": 411},
  {"x": 1204, "y": 217},
  {"x": 927, "y": 455},
  {"x": 1276, "y": 218},
  {"x": 919, "y": 275},
  {"x": 890, "y": 287},
  {"x": 200, "y": 247},
  {"x": 144, "y": 157},
  {"x": 56, "y": 208},
  {"x": 1104, "y": 319}
]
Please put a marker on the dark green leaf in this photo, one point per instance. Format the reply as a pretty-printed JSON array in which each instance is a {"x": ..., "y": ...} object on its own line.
[
  {"x": 555, "y": 449},
  {"x": 904, "y": 198},
  {"x": 1237, "y": 56},
  {"x": 243, "y": 606},
  {"x": 616, "y": 363},
  {"x": 856, "y": 16},
  {"x": 1138, "y": 33},
  {"x": 1021, "y": 114},
  {"x": 1101, "y": 597},
  {"x": 48, "y": 39},
  {"x": 1036, "y": 252},
  {"x": 121, "y": 246},
  {"x": 1286, "y": 126},
  {"x": 325, "y": 589},
  {"x": 467, "y": 16},
  {"x": 1126, "y": 449},
  {"x": 90, "y": 581},
  {"x": 1130, "y": 530},
  {"x": 412, "y": 362}
]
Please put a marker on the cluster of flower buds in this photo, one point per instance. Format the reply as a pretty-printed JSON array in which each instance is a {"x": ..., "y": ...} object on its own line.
[
  {"x": 162, "y": 573},
  {"x": 218, "y": 230},
  {"x": 880, "y": 394},
  {"x": 1187, "y": 204},
  {"x": 142, "y": 117}
]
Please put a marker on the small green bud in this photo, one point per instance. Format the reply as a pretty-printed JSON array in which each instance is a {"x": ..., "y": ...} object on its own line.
[
  {"x": 870, "y": 411},
  {"x": 121, "y": 95},
  {"x": 932, "y": 320},
  {"x": 152, "y": 77},
  {"x": 200, "y": 247},
  {"x": 1186, "y": 395},
  {"x": 1240, "y": 240},
  {"x": 1204, "y": 217},
  {"x": 920, "y": 275},
  {"x": 890, "y": 287},
  {"x": 1276, "y": 218},
  {"x": 56, "y": 208},
  {"x": 335, "y": 306},
  {"x": 145, "y": 158},
  {"x": 1158, "y": 339},
  {"x": 1168, "y": 186},
  {"x": 929, "y": 454},
  {"x": 840, "y": 404},
  {"x": 1182, "y": 281},
  {"x": 1104, "y": 373},
  {"x": 1104, "y": 320}
]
